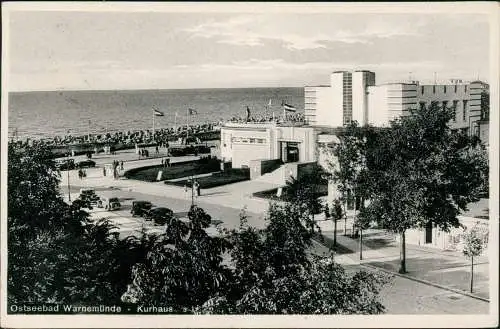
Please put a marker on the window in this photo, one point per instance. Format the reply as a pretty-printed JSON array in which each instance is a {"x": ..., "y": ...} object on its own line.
[
  {"x": 455, "y": 88},
  {"x": 465, "y": 88},
  {"x": 464, "y": 112},
  {"x": 444, "y": 89},
  {"x": 434, "y": 89},
  {"x": 422, "y": 90}
]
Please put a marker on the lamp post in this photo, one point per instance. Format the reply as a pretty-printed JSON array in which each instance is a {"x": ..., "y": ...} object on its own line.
[
  {"x": 69, "y": 191},
  {"x": 192, "y": 190}
]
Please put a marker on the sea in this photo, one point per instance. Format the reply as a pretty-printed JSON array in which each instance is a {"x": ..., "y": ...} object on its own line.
[{"x": 47, "y": 114}]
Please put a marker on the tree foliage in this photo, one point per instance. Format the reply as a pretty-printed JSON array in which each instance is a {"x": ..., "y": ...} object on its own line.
[
  {"x": 421, "y": 171},
  {"x": 183, "y": 268},
  {"x": 473, "y": 242},
  {"x": 55, "y": 253},
  {"x": 275, "y": 275}
]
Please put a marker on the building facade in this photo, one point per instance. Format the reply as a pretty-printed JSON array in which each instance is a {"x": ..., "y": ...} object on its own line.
[
  {"x": 355, "y": 96},
  {"x": 243, "y": 142}
]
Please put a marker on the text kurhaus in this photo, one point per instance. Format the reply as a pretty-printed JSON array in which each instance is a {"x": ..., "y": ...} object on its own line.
[{"x": 154, "y": 309}]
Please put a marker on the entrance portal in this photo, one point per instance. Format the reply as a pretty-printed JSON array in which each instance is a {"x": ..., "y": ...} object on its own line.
[
  {"x": 428, "y": 232},
  {"x": 290, "y": 152}
]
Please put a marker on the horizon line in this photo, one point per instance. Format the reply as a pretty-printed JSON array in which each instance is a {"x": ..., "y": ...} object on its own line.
[{"x": 146, "y": 89}]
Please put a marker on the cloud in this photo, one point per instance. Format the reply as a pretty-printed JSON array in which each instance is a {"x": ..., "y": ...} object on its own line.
[
  {"x": 255, "y": 30},
  {"x": 280, "y": 64}
]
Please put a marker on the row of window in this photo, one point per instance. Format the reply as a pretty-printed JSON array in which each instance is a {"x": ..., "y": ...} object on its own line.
[
  {"x": 422, "y": 89},
  {"x": 248, "y": 140}
]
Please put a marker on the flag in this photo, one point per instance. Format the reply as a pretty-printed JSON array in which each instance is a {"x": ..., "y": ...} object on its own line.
[
  {"x": 288, "y": 107},
  {"x": 158, "y": 113},
  {"x": 192, "y": 112}
]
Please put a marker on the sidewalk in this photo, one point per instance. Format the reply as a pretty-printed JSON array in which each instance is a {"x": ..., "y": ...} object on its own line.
[{"x": 429, "y": 265}]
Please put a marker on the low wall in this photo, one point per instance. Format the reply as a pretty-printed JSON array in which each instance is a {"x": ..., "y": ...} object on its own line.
[
  {"x": 260, "y": 167},
  {"x": 304, "y": 168},
  {"x": 452, "y": 240}
]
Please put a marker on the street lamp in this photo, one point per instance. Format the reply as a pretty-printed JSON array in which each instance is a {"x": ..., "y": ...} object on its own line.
[
  {"x": 192, "y": 190},
  {"x": 69, "y": 191}
]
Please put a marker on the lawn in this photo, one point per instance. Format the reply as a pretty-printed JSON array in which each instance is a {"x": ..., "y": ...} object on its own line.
[
  {"x": 271, "y": 194},
  {"x": 175, "y": 171},
  {"x": 217, "y": 179}
]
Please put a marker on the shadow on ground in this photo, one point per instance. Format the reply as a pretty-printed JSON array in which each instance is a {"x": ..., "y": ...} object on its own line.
[
  {"x": 327, "y": 241},
  {"x": 452, "y": 273}
]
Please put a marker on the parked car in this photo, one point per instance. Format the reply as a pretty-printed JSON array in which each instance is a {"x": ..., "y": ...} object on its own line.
[
  {"x": 109, "y": 203},
  {"x": 140, "y": 208},
  {"x": 160, "y": 215},
  {"x": 86, "y": 164},
  {"x": 89, "y": 195},
  {"x": 65, "y": 164}
]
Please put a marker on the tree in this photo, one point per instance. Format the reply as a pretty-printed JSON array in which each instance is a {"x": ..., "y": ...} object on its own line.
[
  {"x": 183, "y": 268},
  {"x": 347, "y": 165},
  {"x": 337, "y": 215},
  {"x": 473, "y": 247},
  {"x": 274, "y": 274},
  {"x": 421, "y": 171},
  {"x": 304, "y": 191},
  {"x": 55, "y": 253}
]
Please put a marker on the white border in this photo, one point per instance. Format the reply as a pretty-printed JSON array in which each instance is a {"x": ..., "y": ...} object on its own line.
[{"x": 157, "y": 321}]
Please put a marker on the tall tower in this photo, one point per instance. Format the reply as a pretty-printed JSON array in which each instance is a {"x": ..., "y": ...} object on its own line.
[
  {"x": 341, "y": 85},
  {"x": 361, "y": 80}
]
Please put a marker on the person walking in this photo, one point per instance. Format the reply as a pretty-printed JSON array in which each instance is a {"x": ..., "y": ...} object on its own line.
[
  {"x": 196, "y": 187},
  {"x": 80, "y": 173},
  {"x": 104, "y": 171},
  {"x": 121, "y": 165}
]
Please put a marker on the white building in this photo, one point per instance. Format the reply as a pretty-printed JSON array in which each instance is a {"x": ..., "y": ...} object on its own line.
[
  {"x": 389, "y": 101},
  {"x": 243, "y": 142},
  {"x": 355, "y": 96},
  {"x": 361, "y": 80}
]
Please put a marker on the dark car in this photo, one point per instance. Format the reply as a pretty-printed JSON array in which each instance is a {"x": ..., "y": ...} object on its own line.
[
  {"x": 160, "y": 215},
  {"x": 140, "y": 208},
  {"x": 66, "y": 164},
  {"x": 88, "y": 196},
  {"x": 86, "y": 164}
]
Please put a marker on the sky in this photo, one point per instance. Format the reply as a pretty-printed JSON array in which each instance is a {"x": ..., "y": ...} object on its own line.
[{"x": 68, "y": 50}]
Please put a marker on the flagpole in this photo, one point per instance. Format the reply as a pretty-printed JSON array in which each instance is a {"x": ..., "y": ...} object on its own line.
[
  {"x": 175, "y": 121},
  {"x": 187, "y": 126},
  {"x": 154, "y": 124}
]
